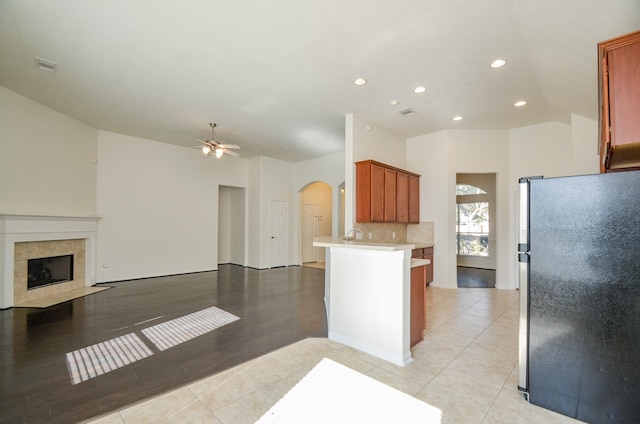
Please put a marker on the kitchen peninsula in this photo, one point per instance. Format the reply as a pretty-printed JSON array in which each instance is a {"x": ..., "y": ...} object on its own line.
[{"x": 368, "y": 296}]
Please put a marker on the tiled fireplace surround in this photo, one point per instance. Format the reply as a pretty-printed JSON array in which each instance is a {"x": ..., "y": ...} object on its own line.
[{"x": 24, "y": 237}]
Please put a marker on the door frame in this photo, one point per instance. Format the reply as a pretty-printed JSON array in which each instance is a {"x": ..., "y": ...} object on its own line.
[
  {"x": 314, "y": 256},
  {"x": 278, "y": 233}
]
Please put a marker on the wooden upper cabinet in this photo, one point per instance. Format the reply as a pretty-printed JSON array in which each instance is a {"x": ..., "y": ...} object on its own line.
[
  {"x": 384, "y": 193},
  {"x": 414, "y": 199},
  {"x": 369, "y": 193},
  {"x": 377, "y": 188},
  {"x": 390, "y": 192},
  {"x": 402, "y": 197},
  {"x": 619, "y": 93}
]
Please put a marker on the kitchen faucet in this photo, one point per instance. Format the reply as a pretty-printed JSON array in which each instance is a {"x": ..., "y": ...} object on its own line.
[{"x": 355, "y": 237}]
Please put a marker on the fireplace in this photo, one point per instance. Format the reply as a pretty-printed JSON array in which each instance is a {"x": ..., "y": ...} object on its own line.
[
  {"x": 27, "y": 237},
  {"x": 49, "y": 270},
  {"x": 48, "y": 261}
]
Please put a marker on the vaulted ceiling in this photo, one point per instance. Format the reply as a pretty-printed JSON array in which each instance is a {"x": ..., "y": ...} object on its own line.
[{"x": 277, "y": 76}]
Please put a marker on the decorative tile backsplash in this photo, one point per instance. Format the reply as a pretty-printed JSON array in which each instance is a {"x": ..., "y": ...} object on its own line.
[
  {"x": 384, "y": 232},
  {"x": 420, "y": 233}
]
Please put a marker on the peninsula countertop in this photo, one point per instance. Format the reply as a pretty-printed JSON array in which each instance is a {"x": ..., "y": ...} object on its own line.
[
  {"x": 360, "y": 244},
  {"x": 328, "y": 241},
  {"x": 418, "y": 245}
]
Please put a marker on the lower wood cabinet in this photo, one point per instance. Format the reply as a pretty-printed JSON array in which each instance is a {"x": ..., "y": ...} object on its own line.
[
  {"x": 425, "y": 253},
  {"x": 418, "y": 315}
]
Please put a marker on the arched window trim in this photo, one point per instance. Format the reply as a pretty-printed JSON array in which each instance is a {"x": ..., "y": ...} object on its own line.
[{"x": 468, "y": 190}]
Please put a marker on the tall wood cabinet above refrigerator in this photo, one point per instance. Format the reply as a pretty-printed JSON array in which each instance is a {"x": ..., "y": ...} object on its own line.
[{"x": 619, "y": 97}]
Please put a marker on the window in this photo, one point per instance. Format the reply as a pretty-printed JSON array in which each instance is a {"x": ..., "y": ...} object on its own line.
[
  {"x": 472, "y": 222},
  {"x": 467, "y": 189}
]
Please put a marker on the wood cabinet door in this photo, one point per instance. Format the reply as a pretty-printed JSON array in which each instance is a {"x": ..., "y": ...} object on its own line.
[
  {"x": 414, "y": 199},
  {"x": 363, "y": 192},
  {"x": 428, "y": 254},
  {"x": 378, "y": 193},
  {"x": 624, "y": 93},
  {"x": 402, "y": 197},
  {"x": 619, "y": 99},
  {"x": 386, "y": 194},
  {"x": 417, "y": 314},
  {"x": 390, "y": 195}
]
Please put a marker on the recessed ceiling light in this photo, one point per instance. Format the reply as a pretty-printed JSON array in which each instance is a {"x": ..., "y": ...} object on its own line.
[
  {"x": 520, "y": 103},
  {"x": 419, "y": 89},
  {"x": 394, "y": 102},
  {"x": 498, "y": 63},
  {"x": 359, "y": 81},
  {"x": 457, "y": 118}
]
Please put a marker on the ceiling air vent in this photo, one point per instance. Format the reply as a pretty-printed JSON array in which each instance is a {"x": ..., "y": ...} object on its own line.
[
  {"x": 46, "y": 65},
  {"x": 407, "y": 111}
]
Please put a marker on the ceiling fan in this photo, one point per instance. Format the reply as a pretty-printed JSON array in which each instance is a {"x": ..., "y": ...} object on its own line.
[{"x": 215, "y": 147}]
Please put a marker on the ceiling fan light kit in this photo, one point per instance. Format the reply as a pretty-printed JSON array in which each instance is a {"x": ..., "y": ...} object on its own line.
[{"x": 214, "y": 146}]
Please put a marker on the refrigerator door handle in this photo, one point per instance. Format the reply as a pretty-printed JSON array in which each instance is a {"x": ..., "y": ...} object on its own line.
[
  {"x": 523, "y": 286},
  {"x": 523, "y": 325}
]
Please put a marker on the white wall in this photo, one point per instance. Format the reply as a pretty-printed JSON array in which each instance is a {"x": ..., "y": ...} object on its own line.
[
  {"x": 157, "y": 196},
  {"x": 254, "y": 213},
  {"x": 487, "y": 182},
  {"x": 238, "y": 225},
  {"x": 231, "y": 225},
  {"x": 481, "y": 151},
  {"x": 275, "y": 184},
  {"x": 160, "y": 201},
  {"x": 545, "y": 149},
  {"x": 584, "y": 136},
  {"x": 373, "y": 141},
  {"x": 224, "y": 225},
  {"x": 428, "y": 155},
  {"x": 320, "y": 195},
  {"x": 365, "y": 139},
  {"x": 159, "y": 204},
  {"x": 46, "y": 160},
  {"x": 327, "y": 169}
]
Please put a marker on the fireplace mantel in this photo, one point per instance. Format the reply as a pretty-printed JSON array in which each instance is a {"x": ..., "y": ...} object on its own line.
[{"x": 25, "y": 228}]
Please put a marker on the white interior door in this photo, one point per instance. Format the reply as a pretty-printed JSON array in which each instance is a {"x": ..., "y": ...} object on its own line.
[
  {"x": 309, "y": 231},
  {"x": 278, "y": 233}
]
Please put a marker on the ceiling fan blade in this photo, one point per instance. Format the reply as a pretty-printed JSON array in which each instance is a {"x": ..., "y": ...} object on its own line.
[
  {"x": 228, "y": 146},
  {"x": 230, "y": 153},
  {"x": 209, "y": 143}
]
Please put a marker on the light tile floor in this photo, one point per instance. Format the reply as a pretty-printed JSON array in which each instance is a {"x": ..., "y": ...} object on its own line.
[{"x": 466, "y": 366}]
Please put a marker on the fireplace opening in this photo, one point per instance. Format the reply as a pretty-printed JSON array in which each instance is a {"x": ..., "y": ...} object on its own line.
[{"x": 51, "y": 270}]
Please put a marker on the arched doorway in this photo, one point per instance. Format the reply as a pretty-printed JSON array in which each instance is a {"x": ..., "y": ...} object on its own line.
[
  {"x": 476, "y": 230},
  {"x": 316, "y": 219}
]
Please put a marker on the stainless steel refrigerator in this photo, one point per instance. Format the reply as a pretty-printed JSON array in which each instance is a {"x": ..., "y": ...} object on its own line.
[{"x": 579, "y": 258}]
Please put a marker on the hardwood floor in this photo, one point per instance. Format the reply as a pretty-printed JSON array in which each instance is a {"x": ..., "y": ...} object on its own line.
[
  {"x": 276, "y": 308},
  {"x": 476, "y": 277}
]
